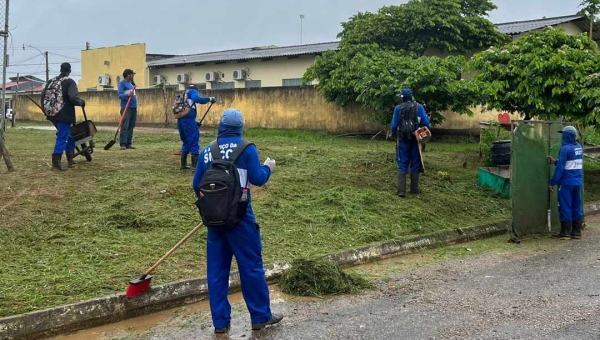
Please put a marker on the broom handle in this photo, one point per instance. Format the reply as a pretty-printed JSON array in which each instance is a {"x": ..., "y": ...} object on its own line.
[
  {"x": 173, "y": 249},
  {"x": 124, "y": 113}
]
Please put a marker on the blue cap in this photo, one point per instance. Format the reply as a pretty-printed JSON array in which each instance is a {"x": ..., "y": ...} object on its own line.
[
  {"x": 232, "y": 117},
  {"x": 569, "y": 129},
  {"x": 405, "y": 93}
]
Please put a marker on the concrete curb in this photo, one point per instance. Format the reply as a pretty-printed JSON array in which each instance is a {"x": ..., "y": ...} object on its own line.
[{"x": 117, "y": 307}]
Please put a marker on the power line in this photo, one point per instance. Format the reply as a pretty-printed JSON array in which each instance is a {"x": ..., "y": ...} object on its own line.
[
  {"x": 64, "y": 56},
  {"x": 20, "y": 65}
]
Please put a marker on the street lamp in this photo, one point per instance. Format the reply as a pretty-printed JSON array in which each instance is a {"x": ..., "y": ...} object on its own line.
[{"x": 45, "y": 54}]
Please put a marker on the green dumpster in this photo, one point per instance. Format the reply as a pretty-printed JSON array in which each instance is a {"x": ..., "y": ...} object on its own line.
[{"x": 496, "y": 178}]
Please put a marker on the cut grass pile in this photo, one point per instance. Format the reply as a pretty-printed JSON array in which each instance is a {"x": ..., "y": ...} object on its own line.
[
  {"x": 84, "y": 233},
  {"x": 320, "y": 277}
]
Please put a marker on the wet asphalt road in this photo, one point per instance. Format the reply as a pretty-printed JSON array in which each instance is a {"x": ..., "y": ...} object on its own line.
[{"x": 550, "y": 292}]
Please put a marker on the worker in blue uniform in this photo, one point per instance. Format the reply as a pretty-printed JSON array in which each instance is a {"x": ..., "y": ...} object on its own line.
[
  {"x": 408, "y": 117},
  {"x": 242, "y": 241},
  {"x": 189, "y": 133},
  {"x": 568, "y": 176}
]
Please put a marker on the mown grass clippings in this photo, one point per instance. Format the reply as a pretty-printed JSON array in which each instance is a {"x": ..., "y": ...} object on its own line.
[
  {"x": 319, "y": 278},
  {"x": 84, "y": 233}
]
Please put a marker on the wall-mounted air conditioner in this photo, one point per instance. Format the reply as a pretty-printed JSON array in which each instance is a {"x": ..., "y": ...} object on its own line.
[
  {"x": 119, "y": 78},
  {"x": 239, "y": 74},
  {"x": 183, "y": 78},
  {"x": 158, "y": 79},
  {"x": 104, "y": 80},
  {"x": 213, "y": 76}
]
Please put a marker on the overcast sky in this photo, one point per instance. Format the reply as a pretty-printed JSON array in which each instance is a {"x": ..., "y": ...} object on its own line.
[{"x": 62, "y": 27}]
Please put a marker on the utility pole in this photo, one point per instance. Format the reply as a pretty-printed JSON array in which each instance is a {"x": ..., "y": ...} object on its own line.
[
  {"x": 3, "y": 151},
  {"x": 47, "y": 69},
  {"x": 301, "y": 27}
]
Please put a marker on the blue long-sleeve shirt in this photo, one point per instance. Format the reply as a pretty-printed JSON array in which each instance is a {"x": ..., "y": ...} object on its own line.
[
  {"x": 569, "y": 166},
  {"x": 248, "y": 165},
  {"x": 123, "y": 93},
  {"x": 421, "y": 117},
  {"x": 195, "y": 98}
]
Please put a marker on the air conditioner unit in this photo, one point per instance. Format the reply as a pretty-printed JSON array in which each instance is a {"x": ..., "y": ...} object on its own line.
[
  {"x": 104, "y": 80},
  {"x": 158, "y": 79},
  {"x": 182, "y": 78},
  {"x": 212, "y": 76},
  {"x": 239, "y": 74},
  {"x": 119, "y": 78}
]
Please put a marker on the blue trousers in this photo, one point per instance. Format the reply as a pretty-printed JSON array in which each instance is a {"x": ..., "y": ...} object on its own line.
[
  {"x": 126, "y": 137},
  {"x": 570, "y": 205},
  {"x": 64, "y": 140},
  {"x": 189, "y": 135},
  {"x": 245, "y": 244},
  {"x": 407, "y": 153}
]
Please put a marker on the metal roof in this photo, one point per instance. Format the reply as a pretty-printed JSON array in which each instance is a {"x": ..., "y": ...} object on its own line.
[
  {"x": 247, "y": 54},
  {"x": 517, "y": 27},
  {"x": 264, "y": 52}
]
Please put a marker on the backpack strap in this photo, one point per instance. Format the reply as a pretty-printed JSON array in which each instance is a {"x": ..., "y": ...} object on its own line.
[
  {"x": 216, "y": 154},
  {"x": 214, "y": 150},
  {"x": 239, "y": 149}
]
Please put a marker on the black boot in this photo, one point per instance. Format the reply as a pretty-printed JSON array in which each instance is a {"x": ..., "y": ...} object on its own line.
[
  {"x": 70, "y": 156},
  {"x": 565, "y": 230},
  {"x": 401, "y": 185},
  {"x": 194, "y": 161},
  {"x": 576, "y": 232},
  {"x": 414, "y": 183},
  {"x": 184, "y": 165},
  {"x": 56, "y": 166}
]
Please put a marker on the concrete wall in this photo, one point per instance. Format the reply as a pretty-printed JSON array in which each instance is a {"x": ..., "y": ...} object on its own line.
[
  {"x": 269, "y": 72},
  {"x": 282, "y": 108},
  {"x": 118, "y": 58}
]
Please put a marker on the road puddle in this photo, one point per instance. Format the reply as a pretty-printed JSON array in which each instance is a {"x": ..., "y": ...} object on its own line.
[{"x": 143, "y": 323}]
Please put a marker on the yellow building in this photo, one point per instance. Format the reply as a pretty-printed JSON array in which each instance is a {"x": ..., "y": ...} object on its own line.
[{"x": 102, "y": 68}]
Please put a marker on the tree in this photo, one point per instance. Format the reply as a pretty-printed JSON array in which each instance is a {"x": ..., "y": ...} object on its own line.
[
  {"x": 544, "y": 74},
  {"x": 453, "y": 26},
  {"x": 591, "y": 8},
  {"x": 380, "y": 53}
]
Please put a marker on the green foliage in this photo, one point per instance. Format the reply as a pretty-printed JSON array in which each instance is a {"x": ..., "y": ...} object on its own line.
[
  {"x": 545, "y": 74},
  {"x": 453, "y": 26},
  {"x": 381, "y": 53},
  {"x": 434, "y": 81}
]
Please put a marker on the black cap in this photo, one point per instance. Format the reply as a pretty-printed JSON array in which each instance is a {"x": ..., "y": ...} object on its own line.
[
  {"x": 127, "y": 72},
  {"x": 65, "y": 67}
]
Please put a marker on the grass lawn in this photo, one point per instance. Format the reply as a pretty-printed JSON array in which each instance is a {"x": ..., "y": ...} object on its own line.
[{"x": 85, "y": 233}]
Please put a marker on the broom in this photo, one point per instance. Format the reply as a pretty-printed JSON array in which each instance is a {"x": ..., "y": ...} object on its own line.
[{"x": 138, "y": 286}]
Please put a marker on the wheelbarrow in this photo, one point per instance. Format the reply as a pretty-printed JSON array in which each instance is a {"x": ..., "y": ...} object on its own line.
[{"x": 83, "y": 134}]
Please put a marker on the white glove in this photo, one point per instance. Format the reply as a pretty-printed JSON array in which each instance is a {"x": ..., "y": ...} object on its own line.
[{"x": 270, "y": 163}]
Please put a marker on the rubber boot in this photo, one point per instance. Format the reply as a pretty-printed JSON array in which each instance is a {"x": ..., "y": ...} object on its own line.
[
  {"x": 401, "y": 185},
  {"x": 184, "y": 165},
  {"x": 414, "y": 183},
  {"x": 70, "y": 158},
  {"x": 275, "y": 319},
  {"x": 56, "y": 166},
  {"x": 194, "y": 161},
  {"x": 576, "y": 232},
  {"x": 565, "y": 231}
]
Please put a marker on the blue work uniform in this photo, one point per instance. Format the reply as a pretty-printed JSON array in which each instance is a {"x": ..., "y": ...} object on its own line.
[
  {"x": 187, "y": 126},
  {"x": 123, "y": 90},
  {"x": 407, "y": 151},
  {"x": 569, "y": 177},
  {"x": 243, "y": 241}
]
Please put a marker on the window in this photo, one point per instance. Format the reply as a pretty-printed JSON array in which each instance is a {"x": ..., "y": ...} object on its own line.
[
  {"x": 201, "y": 86},
  {"x": 172, "y": 87},
  {"x": 294, "y": 82},
  {"x": 250, "y": 84},
  {"x": 222, "y": 86}
]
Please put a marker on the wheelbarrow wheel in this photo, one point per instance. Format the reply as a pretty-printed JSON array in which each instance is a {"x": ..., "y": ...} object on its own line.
[
  {"x": 87, "y": 152},
  {"x": 87, "y": 155}
]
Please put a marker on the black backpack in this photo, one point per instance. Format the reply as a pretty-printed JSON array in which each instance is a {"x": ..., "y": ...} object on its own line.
[
  {"x": 223, "y": 201},
  {"x": 408, "y": 122}
]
